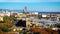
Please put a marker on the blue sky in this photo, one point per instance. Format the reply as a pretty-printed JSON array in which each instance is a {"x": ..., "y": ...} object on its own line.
[
  {"x": 29, "y": 0},
  {"x": 33, "y": 5}
]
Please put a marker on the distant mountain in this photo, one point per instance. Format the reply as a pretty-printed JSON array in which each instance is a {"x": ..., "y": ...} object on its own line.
[
  {"x": 40, "y": 12},
  {"x": 11, "y": 10}
]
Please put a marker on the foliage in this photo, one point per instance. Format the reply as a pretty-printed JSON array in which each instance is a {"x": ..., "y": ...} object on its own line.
[
  {"x": 21, "y": 23},
  {"x": 23, "y": 32},
  {"x": 8, "y": 24},
  {"x": 4, "y": 28},
  {"x": 7, "y": 18},
  {"x": 36, "y": 33},
  {"x": 58, "y": 25},
  {"x": 13, "y": 18}
]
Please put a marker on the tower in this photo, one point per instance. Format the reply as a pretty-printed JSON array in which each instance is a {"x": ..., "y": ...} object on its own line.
[{"x": 25, "y": 10}]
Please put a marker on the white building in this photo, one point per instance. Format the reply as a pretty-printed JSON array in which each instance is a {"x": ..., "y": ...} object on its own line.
[
  {"x": 35, "y": 13},
  {"x": 5, "y": 14}
]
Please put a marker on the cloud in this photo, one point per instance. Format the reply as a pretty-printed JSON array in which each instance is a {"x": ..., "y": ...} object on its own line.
[{"x": 29, "y": 0}]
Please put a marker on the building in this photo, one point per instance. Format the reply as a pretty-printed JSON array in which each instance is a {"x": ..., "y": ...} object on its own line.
[
  {"x": 5, "y": 14},
  {"x": 25, "y": 10}
]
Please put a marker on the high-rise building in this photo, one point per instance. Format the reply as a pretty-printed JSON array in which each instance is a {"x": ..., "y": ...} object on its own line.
[{"x": 25, "y": 10}]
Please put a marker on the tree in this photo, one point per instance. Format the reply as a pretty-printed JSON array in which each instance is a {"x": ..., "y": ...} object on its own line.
[{"x": 21, "y": 23}]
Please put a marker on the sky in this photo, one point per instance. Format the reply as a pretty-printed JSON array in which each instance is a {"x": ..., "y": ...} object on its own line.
[
  {"x": 29, "y": 0},
  {"x": 32, "y": 5}
]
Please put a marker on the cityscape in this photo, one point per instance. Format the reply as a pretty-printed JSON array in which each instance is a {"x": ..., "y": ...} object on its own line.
[
  {"x": 29, "y": 16},
  {"x": 29, "y": 22}
]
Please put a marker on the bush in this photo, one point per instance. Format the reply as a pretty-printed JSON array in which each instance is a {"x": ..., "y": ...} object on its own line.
[
  {"x": 58, "y": 25},
  {"x": 4, "y": 28}
]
